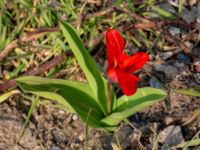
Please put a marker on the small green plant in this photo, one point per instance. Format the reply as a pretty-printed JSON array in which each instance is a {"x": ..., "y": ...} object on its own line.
[{"x": 95, "y": 101}]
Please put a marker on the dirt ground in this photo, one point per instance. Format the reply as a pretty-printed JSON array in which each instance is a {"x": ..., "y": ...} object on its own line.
[{"x": 54, "y": 129}]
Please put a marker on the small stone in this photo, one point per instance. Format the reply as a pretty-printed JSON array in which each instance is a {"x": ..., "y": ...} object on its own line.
[
  {"x": 155, "y": 83},
  {"x": 123, "y": 134},
  {"x": 198, "y": 12},
  {"x": 166, "y": 55},
  {"x": 74, "y": 117},
  {"x": 196, "y": 52},
  {"x": 55, "y": 148},
  {"x": 183, "y": 58},
  {"x": 197, "y": 66},
  {"x": 189, "y": 44},
  {"x": 174, "y": 30},
  {"x": 168, "y": 120},
  {"x": 189, "y": 15},
  {"x": 81, "y": 137},
  {"x": 171, "y": 136},
  {"x": 169, "y": 71}
]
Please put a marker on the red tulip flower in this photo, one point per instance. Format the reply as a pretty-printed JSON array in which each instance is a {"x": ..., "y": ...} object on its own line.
[{"x": 120, "y": 65}]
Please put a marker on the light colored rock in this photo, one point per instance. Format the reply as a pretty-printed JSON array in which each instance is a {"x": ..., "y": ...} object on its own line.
[
  {"x": 174, "y": 30},
  {"x": 171, "y": 136},
  {"x": 55, "y": 148},
  {"x": 166, "y": 55},
  {"x": 74, "y": 117},
  {"x": 198, "y": 12},
  {"x": 189, "y": 15},
  {"x": 169, "y": 71}
]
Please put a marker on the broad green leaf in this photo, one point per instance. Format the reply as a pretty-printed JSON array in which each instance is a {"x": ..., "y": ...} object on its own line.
[
  {"x": 74, "y": 95},
  {"x": 87, "y": 64},
  {"x": 190, "y": 92},
  {"x": 127, "y": 106},
  {"x": 5, "y": 96}
]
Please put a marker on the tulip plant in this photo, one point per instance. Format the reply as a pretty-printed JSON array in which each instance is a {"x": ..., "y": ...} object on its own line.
[{"x": 95, "y": 101}]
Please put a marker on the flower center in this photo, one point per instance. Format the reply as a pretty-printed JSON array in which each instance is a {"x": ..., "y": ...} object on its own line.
[{"x": 115, "y": 63}]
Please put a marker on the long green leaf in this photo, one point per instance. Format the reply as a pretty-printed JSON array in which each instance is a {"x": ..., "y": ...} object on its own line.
[
  {"x": 76, "y": 96},
  {"x": 190, "y": 92},
  {"x": 194, "y": 142},
  {"x": 87, "y": 64},
  {"x": 127, "y": 106},
  {"x": 6, "y": 95},
  {"x": 164, "y": 12}
]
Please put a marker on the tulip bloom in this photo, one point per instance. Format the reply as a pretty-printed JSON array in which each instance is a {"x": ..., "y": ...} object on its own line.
[{"x": 120, "y": 65}]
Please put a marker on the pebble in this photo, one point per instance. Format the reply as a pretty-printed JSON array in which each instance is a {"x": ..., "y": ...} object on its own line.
[
  {"x": 123, "y": 134},
  {"x": 168, "y": 120},
  {"x": 183, "y": 58},
  {"x": 74, "y": 117},
  {"x": 198, "y": 12},
  {"x": 174, "y": 30},
  {"x": 155, "y": 83},
  {"x": 189, "y": 15},
  {"x": 189, "y": 44},
  {"x": 169, "y": 71},
  {"x": 197, "y": 66},
  {"x": 166, "y": 55},
  {"x": 55, "y": 148},
  {"x": 81, "y": 137},
  {"x": 171, "y": 136}
]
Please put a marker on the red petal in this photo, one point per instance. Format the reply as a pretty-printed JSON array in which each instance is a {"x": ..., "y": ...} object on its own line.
[
  {"x": 112, "y": 75},
  {"x": 114, "y": 45},
  {"x": 134, "y": 62},
  {"x": 127, "y": 82}
]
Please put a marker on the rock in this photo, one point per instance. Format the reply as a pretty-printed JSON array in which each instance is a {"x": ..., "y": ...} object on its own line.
[
  {"x": 189, "y": 44},
  {"x": 196, "y": 52},
  {"x": 189, "y": 15},
  {"x": 155, "y": 83},
  {"x": 81, "y": 137},
  {"x": 183, "y": 58},
  {"x": 174, "y": 30},
  {"x": 123, "y": 134},
  {"x": 197, "y": 66},
  {"x": 198, "y": 12},
  {"x": 168, "y": 70},
  {"x": 55, "y": 148},
  {"x": 168, "y": 120},
  {"x": 171, "y": 136},
  {"x": 74, "y": 117},
  {"x": 166, "y": 55}
]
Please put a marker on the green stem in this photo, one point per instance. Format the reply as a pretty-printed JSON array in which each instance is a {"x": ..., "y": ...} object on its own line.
[{"x": 108, "y": 97}]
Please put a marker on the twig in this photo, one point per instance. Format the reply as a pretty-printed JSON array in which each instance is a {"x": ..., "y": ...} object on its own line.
[
  {"x": 26, "y": 38},
  {"x": 168, "y": 36},
  {"x": 100, "y": 13},
  {"x": 37, "y": 70},
  {"x": 161, "y": 23},
  {"x": 132, "y": 14},
  {"x": 7, "y": 49}
]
